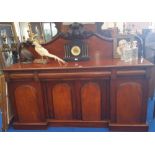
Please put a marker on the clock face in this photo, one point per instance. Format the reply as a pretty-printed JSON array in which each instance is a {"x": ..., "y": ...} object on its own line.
[{"x": 75, "y": 50}]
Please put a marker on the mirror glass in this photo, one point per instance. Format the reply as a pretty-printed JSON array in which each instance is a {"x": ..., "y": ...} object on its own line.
[
  {"x": 49, "y": 30},
  {"x": 45, "y": 30}
]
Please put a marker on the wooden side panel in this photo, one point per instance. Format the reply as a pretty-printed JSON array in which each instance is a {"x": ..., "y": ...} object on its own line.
[
  {"x": 91, "y": 102},
  {"x": 1, "y": 90},
  {"x": 3, "y": 103},
  {"x": 62, "y": 101},
  {"x": 129, "y": 102},
  {"x": 152, "y": 82},
  {"x": 26, "y": 100}
]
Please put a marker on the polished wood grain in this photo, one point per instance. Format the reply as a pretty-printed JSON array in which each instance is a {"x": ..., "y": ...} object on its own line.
[
  {"x": 78, "y": 66},
  {"x": 62, "y": 101},
  {"x": 30, "y": 126},
  {"x": 129, "y": 100},
  {"x": 91, "y": 102},
  {"x": 3, "y": 103},
  {"x": 131, "y": 73},
  {"x": 26, "y": 100},
  {"x": 105, "y": 99},
  {"x": 152, "y": 82},
  {"x": 128, "y": 127},
  {"x": 102, "y": 50},
  {"x": 78, "y": 123},
  {"x": 1, "y": 90}
]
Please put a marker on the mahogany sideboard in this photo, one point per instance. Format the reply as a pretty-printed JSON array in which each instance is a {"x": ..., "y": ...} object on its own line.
[
  {"x": 100, "y": 92},
  {"x": 107, "y": 93}
]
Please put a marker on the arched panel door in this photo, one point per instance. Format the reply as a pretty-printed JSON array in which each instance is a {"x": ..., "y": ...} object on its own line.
[
  {"x": 62, "y": 101},
  {"x": 129, "y": 102},
  {"x": 91, "y": 102},
  {"x": 27, "y": 104}
]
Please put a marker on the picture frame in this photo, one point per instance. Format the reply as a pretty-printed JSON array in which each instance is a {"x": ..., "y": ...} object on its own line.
[
  {"x": 117, "y": 39},
  {"x": 7, "y": 29}
]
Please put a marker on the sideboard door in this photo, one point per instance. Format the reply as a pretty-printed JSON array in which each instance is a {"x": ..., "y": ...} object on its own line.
[
  {"x": 91, "y": 101},
  {"x": 27, "y": 99},
  {"x": 129, "y": 102},
  {"x": 60, "y": 100},
  {"x": 128, "y": 109}
]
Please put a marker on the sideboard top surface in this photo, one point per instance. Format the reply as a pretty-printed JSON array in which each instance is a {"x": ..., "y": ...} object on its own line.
[{"x": 92, "y": 64}]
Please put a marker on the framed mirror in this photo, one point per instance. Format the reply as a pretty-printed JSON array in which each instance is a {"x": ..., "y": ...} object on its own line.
[
  {"x": 45, "y": 30},
  {"x": 7, "y": 29},
  {"x": 8, "y": 39}
]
